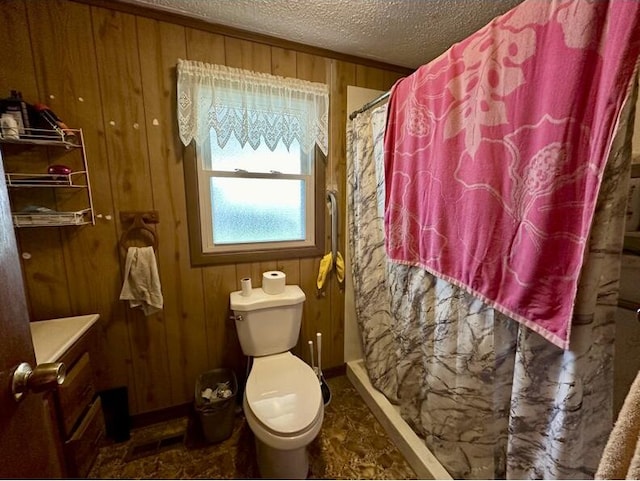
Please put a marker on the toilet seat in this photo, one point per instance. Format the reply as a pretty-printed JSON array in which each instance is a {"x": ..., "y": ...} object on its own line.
[{"x": 283, "y": 394}]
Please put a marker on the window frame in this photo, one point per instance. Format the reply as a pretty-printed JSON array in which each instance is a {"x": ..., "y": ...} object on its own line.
[{"x": 195, "y": 210}]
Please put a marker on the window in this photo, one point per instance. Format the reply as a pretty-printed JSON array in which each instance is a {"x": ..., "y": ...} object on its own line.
[{"x": 255, "y": 178}]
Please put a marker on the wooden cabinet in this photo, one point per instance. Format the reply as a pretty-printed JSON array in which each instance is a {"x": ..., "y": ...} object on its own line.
[
  {"x": 78, "y": 410},
  {"x": 40, "y": 198},
  {"x": 82, "y": 447},
  {"x": 75, "y": 394}
]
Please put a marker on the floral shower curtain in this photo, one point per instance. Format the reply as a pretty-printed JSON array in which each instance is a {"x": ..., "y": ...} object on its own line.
[{"x": 491, "y": 398}]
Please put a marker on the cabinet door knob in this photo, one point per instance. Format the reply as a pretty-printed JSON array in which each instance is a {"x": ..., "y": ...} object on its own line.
[{"x": 45, "y": 377}]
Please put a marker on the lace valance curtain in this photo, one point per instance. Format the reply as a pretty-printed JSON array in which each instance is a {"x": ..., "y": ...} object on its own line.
[{"x": 254, "y": 107}]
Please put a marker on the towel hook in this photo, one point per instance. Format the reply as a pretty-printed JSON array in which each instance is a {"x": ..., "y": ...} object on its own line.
[{"x": 139, "y": 221}]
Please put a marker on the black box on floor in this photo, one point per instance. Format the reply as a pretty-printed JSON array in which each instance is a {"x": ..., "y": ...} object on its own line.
[{"x": 115, "y": 406}]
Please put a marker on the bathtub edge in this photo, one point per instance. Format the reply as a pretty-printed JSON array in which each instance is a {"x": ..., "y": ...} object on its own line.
[{"x": 421, "y": 460}]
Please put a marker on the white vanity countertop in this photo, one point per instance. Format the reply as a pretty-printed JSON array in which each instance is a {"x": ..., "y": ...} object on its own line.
[{"x": 53, "y": 337}]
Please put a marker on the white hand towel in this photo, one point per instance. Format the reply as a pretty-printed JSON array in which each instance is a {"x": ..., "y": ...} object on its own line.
[{"x": 141, "y": 280}]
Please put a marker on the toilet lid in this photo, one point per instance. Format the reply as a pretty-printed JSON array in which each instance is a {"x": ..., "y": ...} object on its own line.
[{"x": 283, "y": 392}]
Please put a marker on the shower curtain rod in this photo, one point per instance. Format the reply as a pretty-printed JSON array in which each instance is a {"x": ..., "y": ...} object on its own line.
[{"x": 368, "y": 105}]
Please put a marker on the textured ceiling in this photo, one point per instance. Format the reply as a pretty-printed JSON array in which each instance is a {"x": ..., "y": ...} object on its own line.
[{"x": 408, "y": 33}]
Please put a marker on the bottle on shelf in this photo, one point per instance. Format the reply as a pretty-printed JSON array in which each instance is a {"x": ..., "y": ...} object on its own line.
[
  {"x": 49, "y": 120},
  {"x": 16, "y": 107},
  {"x": 9, "y": 127}
]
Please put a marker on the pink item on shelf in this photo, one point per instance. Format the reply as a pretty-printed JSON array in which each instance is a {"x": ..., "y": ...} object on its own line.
[
  {"x": 495, "y": 151},
  {"x": 59, "y": 170}
]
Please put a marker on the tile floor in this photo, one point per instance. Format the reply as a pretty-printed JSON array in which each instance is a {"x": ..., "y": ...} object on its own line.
[{"x": 351, "y": 445}]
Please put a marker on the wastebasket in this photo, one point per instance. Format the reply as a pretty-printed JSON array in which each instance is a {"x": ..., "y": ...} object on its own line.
[{"x": 215, "y": 400}]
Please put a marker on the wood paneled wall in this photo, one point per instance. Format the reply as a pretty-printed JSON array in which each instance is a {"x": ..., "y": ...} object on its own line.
[{"x": 113, "y": 74}]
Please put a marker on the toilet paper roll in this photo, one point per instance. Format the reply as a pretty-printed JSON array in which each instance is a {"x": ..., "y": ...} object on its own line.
[
  {"x": 273, "y": 282},
  {"x": 246, "y": 286}
]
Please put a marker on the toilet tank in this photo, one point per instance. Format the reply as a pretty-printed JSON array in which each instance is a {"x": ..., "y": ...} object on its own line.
[{"x": 268, "y": 323}]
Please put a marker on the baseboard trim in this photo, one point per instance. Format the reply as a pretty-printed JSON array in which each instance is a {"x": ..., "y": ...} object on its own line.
[{"x": 335, "y": 371}]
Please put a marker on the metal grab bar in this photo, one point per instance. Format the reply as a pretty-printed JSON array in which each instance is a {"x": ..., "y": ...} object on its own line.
[{"x": 333, "y": 211}]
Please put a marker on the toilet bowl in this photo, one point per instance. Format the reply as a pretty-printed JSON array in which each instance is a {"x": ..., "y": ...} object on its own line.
[
  {"x": 284, "y": 409},
  {"x": 282, "y": 401}
]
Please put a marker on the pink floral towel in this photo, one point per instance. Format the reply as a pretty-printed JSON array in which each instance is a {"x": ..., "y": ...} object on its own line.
[{"x": 495, "y": 152}]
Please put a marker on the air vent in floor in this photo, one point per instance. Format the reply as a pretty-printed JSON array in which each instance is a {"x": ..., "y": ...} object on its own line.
[{"x": 149, "y": 447}]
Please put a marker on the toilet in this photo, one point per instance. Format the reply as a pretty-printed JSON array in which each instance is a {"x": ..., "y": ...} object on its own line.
[{"x": 282, "y": 401}]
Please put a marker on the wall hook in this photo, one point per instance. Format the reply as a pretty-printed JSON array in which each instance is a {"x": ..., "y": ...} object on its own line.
[{"x": 139, "y": 225}]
